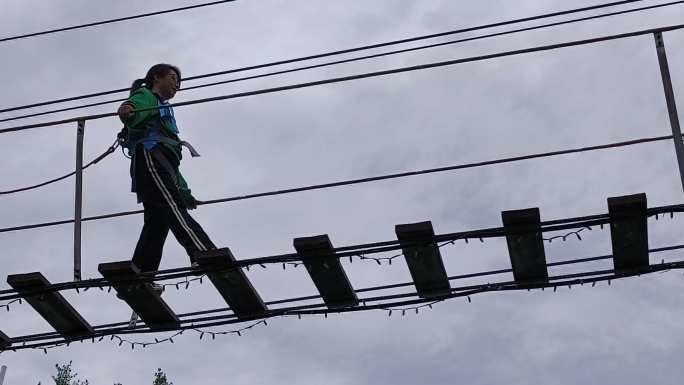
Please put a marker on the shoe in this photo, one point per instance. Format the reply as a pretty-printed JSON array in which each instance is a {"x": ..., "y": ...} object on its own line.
[
  {"x": 157, "y": 288},
  {"x": 133, "y": 321},
  {"x": 119, "y": 294}
]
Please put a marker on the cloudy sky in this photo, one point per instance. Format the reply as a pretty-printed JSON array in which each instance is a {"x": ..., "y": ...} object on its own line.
[{"x": 627, "y": 333}]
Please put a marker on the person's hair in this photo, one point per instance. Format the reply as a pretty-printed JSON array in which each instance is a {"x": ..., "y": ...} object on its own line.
[{"x": 156, "y": 71}]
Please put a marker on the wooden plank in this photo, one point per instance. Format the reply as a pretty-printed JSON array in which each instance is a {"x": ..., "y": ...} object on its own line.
[
  {"x": 142, "y": 298},
  {"x": 424, "y": 260},
  {"x": 234, "y": 286},
  {"x": 5, "y": 341},
  {"x": 326, "y": 271},
  {"x": 628, "y": 231},
  {"x": 525, "y": 244},
  {"x": 50, "y": 305}
]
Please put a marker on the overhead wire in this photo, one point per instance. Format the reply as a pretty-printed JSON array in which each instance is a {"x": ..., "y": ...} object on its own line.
[
  {"x": 342, "y": 51},
  {"x": 361, "y": 180},
  {"x": 111, "y": 21},
  {"x": 355, "y": 59},
  {"x": 365, "y": 75}
]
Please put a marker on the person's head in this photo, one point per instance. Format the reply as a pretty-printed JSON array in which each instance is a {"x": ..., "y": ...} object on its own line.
[{"x": 164, "y": 79}]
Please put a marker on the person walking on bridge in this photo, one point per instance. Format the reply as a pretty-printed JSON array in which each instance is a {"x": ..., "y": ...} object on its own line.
[{"x": 150, "y": 135}]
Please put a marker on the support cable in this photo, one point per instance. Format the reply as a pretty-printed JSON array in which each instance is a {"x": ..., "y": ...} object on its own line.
[
  {"x": 365, "y": 75},
  {"x": 361, "y": 180},
  {"x": 361, "y": 58},
  {"x": 111, "y": 21},
  {"x": 338, "y": 252},
  {"x": 186, "y": 316},
  {"x": 110, "y": 150},
  {"x": 343, "y": 51},
  {"x": 384, "y": 302}
]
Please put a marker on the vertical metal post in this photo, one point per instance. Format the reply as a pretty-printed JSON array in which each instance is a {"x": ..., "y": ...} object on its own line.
[
  {"x": 78, "y": 204},
  {"x": 671, "y": 105},
  {"x": 3, "y": 370}
]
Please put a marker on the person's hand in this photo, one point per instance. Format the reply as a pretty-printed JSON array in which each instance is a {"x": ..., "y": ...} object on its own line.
[
  {"x": 190, "y": 202},
  {"x": 125, "y": 112}
]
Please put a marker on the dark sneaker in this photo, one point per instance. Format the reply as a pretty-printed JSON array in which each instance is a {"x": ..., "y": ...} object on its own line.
[{"x": 157, "y": 288}]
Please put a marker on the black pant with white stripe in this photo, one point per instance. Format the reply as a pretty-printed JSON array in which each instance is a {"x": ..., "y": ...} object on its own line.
[{"x": 155, "y": 180}]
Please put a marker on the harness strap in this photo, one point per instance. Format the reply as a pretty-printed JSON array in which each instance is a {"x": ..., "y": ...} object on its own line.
[{"x": 173, "y": 142}]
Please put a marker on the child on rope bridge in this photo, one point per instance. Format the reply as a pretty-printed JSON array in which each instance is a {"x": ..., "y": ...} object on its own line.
[{"x": 151, "y": 137}]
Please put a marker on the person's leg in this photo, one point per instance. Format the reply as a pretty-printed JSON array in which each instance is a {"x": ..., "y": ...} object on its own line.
[
  {"x": 170, "y": 205},
  {"x": 148, "y": 251}
]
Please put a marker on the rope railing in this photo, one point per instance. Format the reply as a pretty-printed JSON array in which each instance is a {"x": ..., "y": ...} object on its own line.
[{"x": 356, "y": 181}]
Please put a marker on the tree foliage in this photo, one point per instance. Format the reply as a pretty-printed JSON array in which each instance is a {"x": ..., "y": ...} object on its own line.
[
  {"x": 160, "y": 378},
  {"x": 66, "y": 376}
]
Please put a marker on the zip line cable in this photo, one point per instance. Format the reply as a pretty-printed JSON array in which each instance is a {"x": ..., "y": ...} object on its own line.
[
  {"x": 361, "y": 180},
  {"x": 361, "y": 58},
  {"x": 590, "y": 277},
  {"x": 111, "y": 21},
  {"x": 365, "y": 75},
  {"x": 340, "y": 52}
]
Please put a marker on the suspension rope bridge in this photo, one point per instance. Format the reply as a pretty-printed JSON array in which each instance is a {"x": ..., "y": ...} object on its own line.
[{"x": 420, "y": 246}]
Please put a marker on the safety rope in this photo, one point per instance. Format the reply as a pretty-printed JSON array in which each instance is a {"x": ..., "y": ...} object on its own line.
[{"x": 110, "y": 150}]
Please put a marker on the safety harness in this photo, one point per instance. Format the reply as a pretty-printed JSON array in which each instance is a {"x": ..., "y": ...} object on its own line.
[{"x": 129, "y": 141}]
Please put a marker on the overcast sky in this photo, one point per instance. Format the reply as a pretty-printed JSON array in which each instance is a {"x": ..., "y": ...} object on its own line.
[{"x": 627, "y": 333}]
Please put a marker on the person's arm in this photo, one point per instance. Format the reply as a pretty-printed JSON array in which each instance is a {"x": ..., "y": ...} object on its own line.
[
  {"x": 125, "y": 112},
  {"x": 141, "y": 99}
]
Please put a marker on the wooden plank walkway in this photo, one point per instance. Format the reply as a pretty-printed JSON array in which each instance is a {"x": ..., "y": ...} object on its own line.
[
  {"x": 142, "y": 298},
  {"x": 424, "y": 260},
  {"x": 233, "y": 284},
  {"x": 326, "y": 271},
  {"x": 629, "y": 237},
  {"x": 4, "y": 341},
  {"x": 629, "y": 231},
  {"x": 50, "y": 305},
  {"x": 525, "y": 244}
]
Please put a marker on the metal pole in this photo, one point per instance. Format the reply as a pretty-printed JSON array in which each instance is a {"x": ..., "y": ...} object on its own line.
[
  {"x": 78, "y": 204},
  {"x": 671, "y": 105},
  {"x": 3, "y": 370}
]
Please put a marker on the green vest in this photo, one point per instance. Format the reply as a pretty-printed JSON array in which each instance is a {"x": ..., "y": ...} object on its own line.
[{"x": 143, "y": 122}]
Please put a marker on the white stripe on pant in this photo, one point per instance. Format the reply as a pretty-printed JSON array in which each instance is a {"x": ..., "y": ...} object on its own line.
[{"x": 174, "y": 208}]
